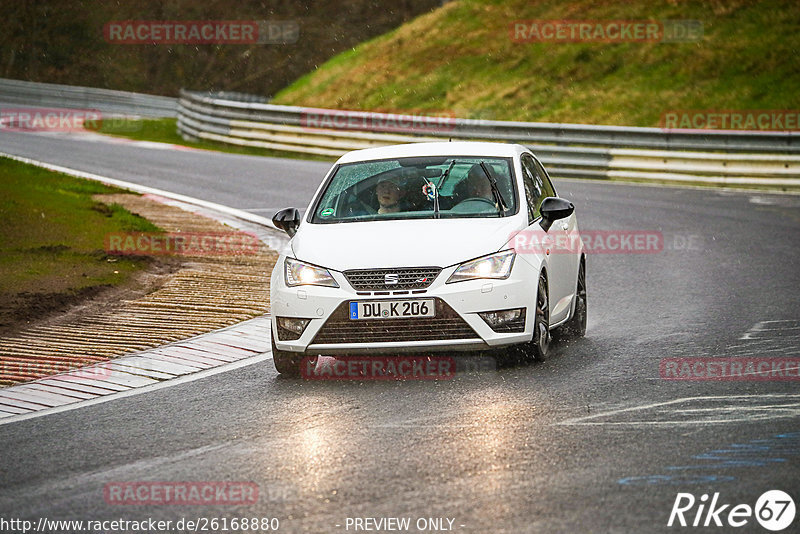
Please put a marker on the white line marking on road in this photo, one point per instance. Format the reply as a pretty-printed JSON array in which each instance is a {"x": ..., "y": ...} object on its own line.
[
  {"x": 777, "y": 335},
  {"x": 756, "y": 352},
  {"x": 751, "y": 412},
  {"x": 726, "y": 191}
]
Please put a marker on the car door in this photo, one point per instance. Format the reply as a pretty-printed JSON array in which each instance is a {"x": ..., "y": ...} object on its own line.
[{"x": 558, "y": 251}]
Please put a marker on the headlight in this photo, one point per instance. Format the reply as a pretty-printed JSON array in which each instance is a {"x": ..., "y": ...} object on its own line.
[
  {"x": 298, "y": 273},
  {"x": 497, "y": 266}
]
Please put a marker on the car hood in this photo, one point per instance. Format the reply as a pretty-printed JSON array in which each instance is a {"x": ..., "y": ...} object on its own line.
[{"x": 409, "y": 243}]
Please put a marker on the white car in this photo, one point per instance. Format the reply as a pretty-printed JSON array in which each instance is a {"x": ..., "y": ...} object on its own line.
[{"x": 416, "y": 248}]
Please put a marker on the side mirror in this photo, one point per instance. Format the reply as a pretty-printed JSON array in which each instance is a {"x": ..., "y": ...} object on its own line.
[
  {"x": 287, "y": 220},
  {"x": 553, "y": 209}
]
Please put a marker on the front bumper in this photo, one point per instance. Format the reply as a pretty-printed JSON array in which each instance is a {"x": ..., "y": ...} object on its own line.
[{"x": 456, "y": 325}]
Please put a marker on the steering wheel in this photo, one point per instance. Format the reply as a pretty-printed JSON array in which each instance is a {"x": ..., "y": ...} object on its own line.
[
  {"x": 473, "y": 205},
  {"x": 357, "y": 207}
]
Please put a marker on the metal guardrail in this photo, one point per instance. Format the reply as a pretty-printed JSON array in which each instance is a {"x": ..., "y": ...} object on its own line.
[
  {"x": 569, "y": 150},
  {"x": 35, "y": 94},
  {"x": 523, "y": 132}
]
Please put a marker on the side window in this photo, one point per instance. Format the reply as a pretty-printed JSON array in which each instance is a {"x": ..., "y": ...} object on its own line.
[
  {"x": 529, "y": 187},
  {"x": 549, "y": 190},
  {"x": 533, "y": 181}
]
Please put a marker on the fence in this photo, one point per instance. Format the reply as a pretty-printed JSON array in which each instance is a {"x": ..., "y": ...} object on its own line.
[
  {"x": 22, "y": 93},
  {"x": 569, "y": 150}
]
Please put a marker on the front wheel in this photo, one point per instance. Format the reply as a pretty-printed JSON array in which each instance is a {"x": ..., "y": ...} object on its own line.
[
  {"x": 286, "y": 363},
  {"x": 576, "y": 326},
  {"x": 538, "y": 348}
]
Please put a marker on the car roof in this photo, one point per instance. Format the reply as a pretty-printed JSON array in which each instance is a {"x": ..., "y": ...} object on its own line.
[{"x": 458, "y": 148}]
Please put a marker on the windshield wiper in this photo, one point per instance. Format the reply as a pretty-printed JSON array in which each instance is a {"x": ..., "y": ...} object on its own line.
[
  {"x": 498, "y": 197},
  {"x": 436, "y": 187}
]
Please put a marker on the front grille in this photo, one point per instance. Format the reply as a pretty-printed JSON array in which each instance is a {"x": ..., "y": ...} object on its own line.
[
  {"x": 447, "y": 324},
  {"x": 375, "y": 279}
]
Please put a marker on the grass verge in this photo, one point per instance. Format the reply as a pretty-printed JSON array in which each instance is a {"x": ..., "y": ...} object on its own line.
[
  {"x": 51, "y": 242},
  {"x": 166, "y": 131}
]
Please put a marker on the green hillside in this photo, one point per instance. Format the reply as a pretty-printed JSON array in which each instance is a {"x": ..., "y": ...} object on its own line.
[
  {"x": 461, "y": 58},
  {"x": 62, "y": 41}
]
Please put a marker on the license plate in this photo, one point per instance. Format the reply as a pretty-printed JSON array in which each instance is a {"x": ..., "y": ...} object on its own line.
[{"x": 392, "y": 309}]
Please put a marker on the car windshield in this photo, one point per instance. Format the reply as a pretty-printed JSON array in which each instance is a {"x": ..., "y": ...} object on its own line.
[{"x": 405, "y": 188}]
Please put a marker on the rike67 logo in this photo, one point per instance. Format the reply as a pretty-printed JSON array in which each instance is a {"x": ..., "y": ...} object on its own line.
[{"x": 774, "y": 510}]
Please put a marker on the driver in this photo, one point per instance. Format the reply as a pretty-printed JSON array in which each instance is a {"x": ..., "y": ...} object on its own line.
[
  {"x": 389, "y": 195},
  {"x": 477, "y": 184}
]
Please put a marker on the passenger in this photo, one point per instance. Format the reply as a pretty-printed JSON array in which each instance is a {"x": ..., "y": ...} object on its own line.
[{"x": 390, "y": 195}]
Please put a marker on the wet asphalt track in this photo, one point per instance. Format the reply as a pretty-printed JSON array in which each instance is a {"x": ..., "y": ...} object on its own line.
[{"x": 590, "y": 441}]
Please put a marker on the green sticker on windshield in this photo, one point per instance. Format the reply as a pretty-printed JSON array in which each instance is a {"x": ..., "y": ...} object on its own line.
[{"x": 327, "y": 212}]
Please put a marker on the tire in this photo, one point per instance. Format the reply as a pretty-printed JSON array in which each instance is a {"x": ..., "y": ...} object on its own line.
[
  {"x": 286, "y": 363},
  {"x": 576, "y": 326},
  {"x": 538, "y": 348}
]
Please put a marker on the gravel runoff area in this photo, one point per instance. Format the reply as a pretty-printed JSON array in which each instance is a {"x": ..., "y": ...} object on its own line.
[{"x": 208, "y": 286}]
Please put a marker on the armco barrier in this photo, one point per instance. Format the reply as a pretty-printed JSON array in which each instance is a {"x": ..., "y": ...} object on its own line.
[
  {"x": 569, "y": 150},
  {"x": 22, "y": 93}
]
